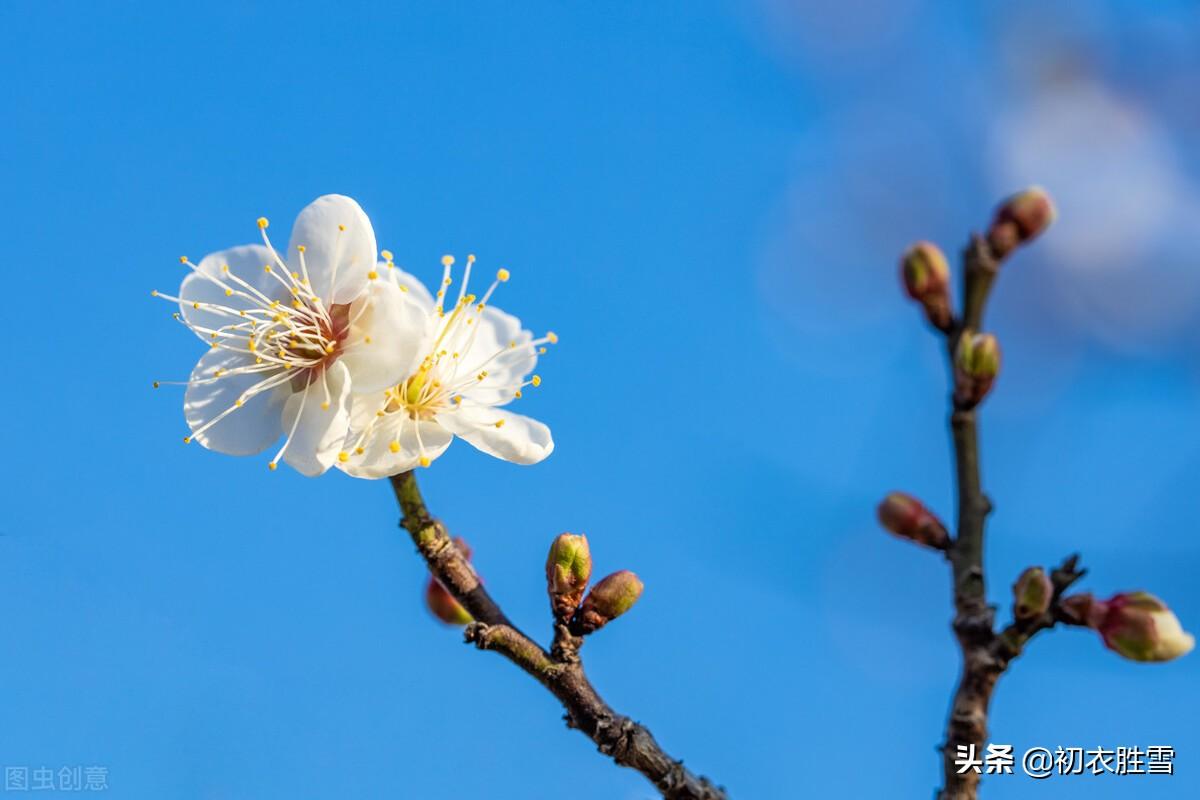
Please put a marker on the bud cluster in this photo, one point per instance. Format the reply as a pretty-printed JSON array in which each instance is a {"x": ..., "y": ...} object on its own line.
[
  {"x": 907, "y": 517},
  {"x": 568, "y": 569},
  {"x": 1032, "y": 593},
  {"x": 1135, "y": 625}
]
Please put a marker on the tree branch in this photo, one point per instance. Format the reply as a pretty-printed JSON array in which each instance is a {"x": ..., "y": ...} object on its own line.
[
  {"x": 973, "y": 618},
  {"x": 985, "y": 654},
  {"x": 628, "y": 743}
]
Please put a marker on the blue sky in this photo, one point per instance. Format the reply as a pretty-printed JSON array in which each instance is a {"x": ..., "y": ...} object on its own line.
[{"x": 706, "y": 202}]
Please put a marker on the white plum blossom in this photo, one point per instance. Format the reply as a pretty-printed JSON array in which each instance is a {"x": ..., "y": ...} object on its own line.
[
  {"x": 474, "y": 359},
  {"x": 294, "y": 337}
]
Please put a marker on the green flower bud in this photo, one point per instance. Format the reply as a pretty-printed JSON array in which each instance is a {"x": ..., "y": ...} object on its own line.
[
  {"x": 609, "y": 599},
  {"x": 568, "y": 568},
  {"x": 976, "y": 364},
  {"x": 926, "y": 276},
  {"x": 1032, "y": 593}
]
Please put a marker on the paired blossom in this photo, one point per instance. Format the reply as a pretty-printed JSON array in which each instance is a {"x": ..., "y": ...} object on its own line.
[{"x": 349, "y": 359}]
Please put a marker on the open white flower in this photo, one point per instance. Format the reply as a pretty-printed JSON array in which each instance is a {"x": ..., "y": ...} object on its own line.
[
  {"x": 291, "y": 340},
  {"x": 474, "y": 360}
]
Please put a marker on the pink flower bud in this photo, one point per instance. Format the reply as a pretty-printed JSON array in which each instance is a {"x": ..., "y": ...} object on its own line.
[
  {"x": 1140, "y": 627},
  {"x": 1032, "y": 593},
  {"x": 907, "y": 517},
  {"x": 568, "y": 568},
  {"x": 976, "y": 365},
  {"x": 926, "y": 277},
  {"x": 1020, "y": 219},
  {"x": 443, "y": 605},
  {"x": 608, "y": 599}
]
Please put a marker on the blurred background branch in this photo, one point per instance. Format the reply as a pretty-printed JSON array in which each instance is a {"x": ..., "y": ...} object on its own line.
[{"x": 1149, "y": 632}]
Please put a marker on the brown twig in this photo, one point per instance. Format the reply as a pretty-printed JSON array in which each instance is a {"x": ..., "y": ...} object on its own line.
[
  {"x": 985, "y": 654},
  {"x": 628, "y": 743}
]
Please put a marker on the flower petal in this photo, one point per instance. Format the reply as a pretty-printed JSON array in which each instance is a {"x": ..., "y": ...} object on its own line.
[
  {"x": 201, "y": 286},
  {"x": 410, "y": 285},
  {"x": 339, "y": 247},
  {"x": 387, "y": 337},
  {"x": 518, "y": 439},
  {"x": 319, "y": 432},
  {"x": 244, "y": 431},
  {"x": 501, "y": 346},
  {"x": 378, "y": 460}
]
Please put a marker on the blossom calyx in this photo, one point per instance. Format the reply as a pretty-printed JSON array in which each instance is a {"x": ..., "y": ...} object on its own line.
[
  {"x": 1135, "y": 625},
  {"x": 608, "y": 599},
  {"x": 1032, "y": 593},
  {"x": 568, "y": 568},
  {"x": 907, "y": 517},
  {"x": 926, "y": 276},
  {"x": 976, "y": 364},
  {"x": 1083, "y": 609},
  {"x": 1020, "y": 219}
]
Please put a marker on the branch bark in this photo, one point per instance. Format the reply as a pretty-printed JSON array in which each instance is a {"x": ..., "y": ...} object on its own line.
[
  {"x": 985, "y": 654},
  {"x": 628, "y": 743}
]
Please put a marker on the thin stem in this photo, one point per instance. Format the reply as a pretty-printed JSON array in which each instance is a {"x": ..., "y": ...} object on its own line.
[
  {"x": 973, "y": 618},
  {"x": 985, "y": 654},
  {"x": 628, "y": 743},
  {"x": 980, "y": 266}
]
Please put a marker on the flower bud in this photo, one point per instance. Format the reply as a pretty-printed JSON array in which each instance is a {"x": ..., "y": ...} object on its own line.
[
  {"x": 1020, "y": 219},
  {"x": 608, "y": 599},
  {"x": 976, "y": 364},
  {"x": 443, "y": 605},
  {"x": 926, "y": 278},
  {"x": 1139, "y": 626},
  {"x": 568, "y": 568},
  {"x": 907, "y": 517},
  {"x": 1032, "y": 593}
]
